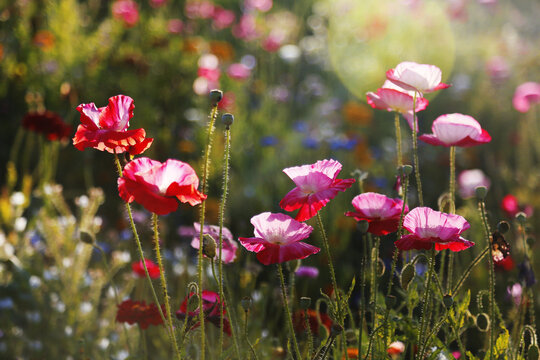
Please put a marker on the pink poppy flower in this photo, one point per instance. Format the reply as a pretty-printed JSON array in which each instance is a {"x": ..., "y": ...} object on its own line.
[
  {"x": 229, "y": 248},
  {"x": 316, "y": 185},
  {"x": 260, "y": 5},
  {"x": 238, "y": 71},
  {"x": 395, "y": 349},
  {"x": 246, "y": 28},
  {"x": 175, "y": 26},
  {"x": 278, "y": 239},
  {"x": 127, "y": 11},
  {"x": 399, "y": 101},
  {"x": 381, "y": 212},
  {"x": 222, "y": 18},
  {"x": 456, "y": 130},
  {"x": 211, "y": 309},
  {"x": 469, "y": 180},
  {"x": 428, "y": 226},
  {"x": 138, "y": 269},
  {"x": 272, "y": 43},
  {"x": 422, "y": 78},
  {"x": 526, "y": 95},
  {"x": 158, "y": 186},
  {"x": 105, "y": 128}
]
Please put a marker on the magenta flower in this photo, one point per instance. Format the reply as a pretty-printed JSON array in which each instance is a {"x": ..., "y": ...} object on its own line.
[
  {"x": 381, "y": 212},
  {"x": 238, "y": 71},
  {"x": 307, "y": 271},
  {"x": 159, "y": 186},
  {"x": 456, "y": 130},
  {"x": 222, "y": 18},
  {"x": 429, "y": 227},
  {"x": 229, "y": 245},
  {"x": 278, "y": 239},
  {"x": 469, "y": 180},
  {"x": 526, "y": 95},
  {"x": 398, "y": 101},
  {"x": 422, "y": 78},
  {"x": 316, "y": 185},
  {"x": 127, "y": 11}
]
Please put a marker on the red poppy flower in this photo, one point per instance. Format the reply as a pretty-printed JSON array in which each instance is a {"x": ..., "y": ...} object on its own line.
[
  {"x": 138, "y": 269},
  {"x": 211, "y": 308},
  {"x": 47, "y": 123},
  {"x": 299, "y": 323},
  {"x": 137, "y": 312},
  {"x": 105, "y": 128}
]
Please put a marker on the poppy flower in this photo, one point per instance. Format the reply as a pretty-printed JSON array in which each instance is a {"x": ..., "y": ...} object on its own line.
[
  {"x": 423, "y": 78},
  {"x": 127, "y": 11},
  {"x": 299, "y": 322},
  {"x": 138, "y": 312},
  {"x": 469, "y": 180},
  {"x": 158, "y": 186},
  {"x": 211, "y": 308},
  {"x": 428, "y": 227},
  {"x": 47, "y": 123},
  {"x": 456, "y": 130},
  {"x": 229, "y": 245},
  {"x": 526, "y": 95},
  {"x": 307, "y": 271},
  {"x": 398, "y": 101},
  {"x": 105, "y": 128},
  {"x": 381, "y": 212},
  {"x": 511, "y": 206},
  {"x": 395, "y": 348},
  {"x": 316, "y": 185},
  {"x": 278, "y": 239},
  {"x": 138, "y": 269}
]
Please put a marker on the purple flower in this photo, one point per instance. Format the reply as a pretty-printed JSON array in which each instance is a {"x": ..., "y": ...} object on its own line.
[{"x": 307, "y": 271}]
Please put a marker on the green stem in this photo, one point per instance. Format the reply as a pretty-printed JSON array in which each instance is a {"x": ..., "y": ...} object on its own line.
[
  {"x": 452, "y": 211},
  {"x": 163, "y": 281},
  {"x": 398, "y": 139},
  {"x": 246, "y": 313},
  {"x": 374, "y": 266},
  {"x": 288, "y": 313},
  {"x": 141, "y": 256},
  {"x": 433, "y": 332},
  {"x": 206, "y": 170},
  {"x": 425, "y": 306},
  {"x": 309, "y": 334},
  {"x": 415, "y": 155},
  {"x": 467, "y": 272}
]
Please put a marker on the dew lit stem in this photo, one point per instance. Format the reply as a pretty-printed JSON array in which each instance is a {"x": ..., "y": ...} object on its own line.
[
  {"x": 415, "y": 155},
  {"x": 205, "y": 174},
  {"x": 287, "y": 312}
]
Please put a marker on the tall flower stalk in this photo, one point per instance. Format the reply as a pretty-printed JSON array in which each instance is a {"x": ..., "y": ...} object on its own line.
[
  {"x": 415, "y": 155},
  {"x": 288, "y": 312}
]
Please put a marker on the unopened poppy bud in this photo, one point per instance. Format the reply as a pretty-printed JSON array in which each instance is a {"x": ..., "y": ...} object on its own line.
[
  {"x": 482, "y": 322},
  {"x": 448, "y": 301},
  {"x": 86, "y": 237},
  {"x": 407, "y": 170},
  {"x": 532, "y": 353},
  {"x": 407, "y": 274},
  {"x": 351, "y": 336},
  {"x": 481, "y": 192},
  {"x": 363, "y": 226},
  {"x": 215, "y": 96},
  {"x": 390, "y": 301},
  {"x": 503, "y": 227},
  {"x": 227, "y": 120},
  {"x": 246, "y": 303},
  {"x": 305, "y": 302},
  {"x": 521, "y": 217},
  {"x": 209, "y": 246}
]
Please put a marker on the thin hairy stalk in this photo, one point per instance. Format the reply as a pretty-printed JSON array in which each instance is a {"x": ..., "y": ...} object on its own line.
[
  {"x": 246, "y": 313},
  {"x": 287, "y": 312},
  {"x": 398, "y": 139},
  {"x": 415, "y": 155},
  {"x": 374, "y": 268},
  {"x": 163, "y": 281},
  {"x": 467, "y": 272},
  {"x": 204, "y": 180},
  {"x": 232, "y": 316},
  {"x": 487, "y": 234},
  {"x": 141, "y": 255},
  {"x": 309, "y": 334},
  {"x": 433, "y": 332},
  {"x": 226, "y": 158},
  {"x": 425, "y": 303},
  {"x": 372, "y": 336}
]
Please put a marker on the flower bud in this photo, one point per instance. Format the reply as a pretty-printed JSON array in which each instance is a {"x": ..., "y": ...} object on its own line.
[
  {"x": 86, "y": 237},
  {"x": 521, "y": 217},
  {"x": 481, "y": 192},
  {"x": 407, "y": 274},
  {"x": 407, "y": 170},
  {"x": 503, "y": 227},
  {"x": 363, "y": 226},
  {"x": 246, "y": 303},
  {"x": 209, "y": 246},
  {"x": 215, "y": 96},
  {"x": 305, "y": 302},
  {"x": 227, "y": 120},
  {"x": 532, "y": 353}
]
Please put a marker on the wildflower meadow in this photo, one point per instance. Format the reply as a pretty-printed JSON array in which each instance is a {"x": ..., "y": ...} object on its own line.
[{"x": 269, "y": 179}]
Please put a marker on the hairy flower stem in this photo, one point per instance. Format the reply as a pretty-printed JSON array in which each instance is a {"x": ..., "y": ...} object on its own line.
[
  {"x": 374, "y": 275},
  {"x": 467, "y": 272},
  {"x": 141, "y": 256},
  {"x": 288, "y": 313},
  {"x": 163, "y": 281},
  {"x": 205, "y": 174},
  {"x": 452, "y": 186},
  {"x": 415, "y": 155},
  {"x": 425, "y": 307},
  {"x": 398, "y": 139},
  {"x": 226, "y": 158},
  {"x": 487, "y": 233},
  {"x": 246, "y": 314},
  {"x": 309, "y": 334}
]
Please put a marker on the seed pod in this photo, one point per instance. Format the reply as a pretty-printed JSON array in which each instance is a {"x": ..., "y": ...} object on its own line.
[
  {"x": 215, "y": 96},
  {"x": 227, "y": 120},
  {"x": 481, "y": 192},
  {"x": 305, "y": 302}
]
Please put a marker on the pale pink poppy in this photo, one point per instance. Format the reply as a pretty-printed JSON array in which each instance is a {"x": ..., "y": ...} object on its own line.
[
  {"x": 423, "y": 78},
  {"x": 272, "y": 43},
  {"x": 316, "y": 185},
  {"x": 238, "y": 71},
  {"x": 222, "y": 18},
  {"x": 260, "y": 5},
  {"x": 456, "y": 130},
  {"x": 395, "y": 348},
  {"x": 469, "y": 180},
  {"x": 246, "y": 28},
  {"x": 159, "y": 186},
  {"x": 398, "y": 101},
  {"x": 381, "y": 212},
  {"x": 229, "y": 248},
  {"x": 428, "y": 227},
  {"x": 175, "y": 26},
  {"x": 278, "y": 239},
  {"x": 526, "y": 95},
  {"x": 127, "y": 11}
]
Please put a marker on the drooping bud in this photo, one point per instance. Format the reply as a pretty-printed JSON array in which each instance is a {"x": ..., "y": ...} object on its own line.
[
  {"x": 407, "y": 274},
  {"x": 209, "y": 246},
  {"x": 86, "y": 237}
]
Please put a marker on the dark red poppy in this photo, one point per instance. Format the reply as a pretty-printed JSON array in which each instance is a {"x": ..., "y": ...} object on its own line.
[
  {"x": 138, "y": 269},
  {"x": 47, "y": 123},
  {"x": 300, "y": 324},
  {"x": 138, "y": 312},
  {"x": 211, "y": 307}
]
